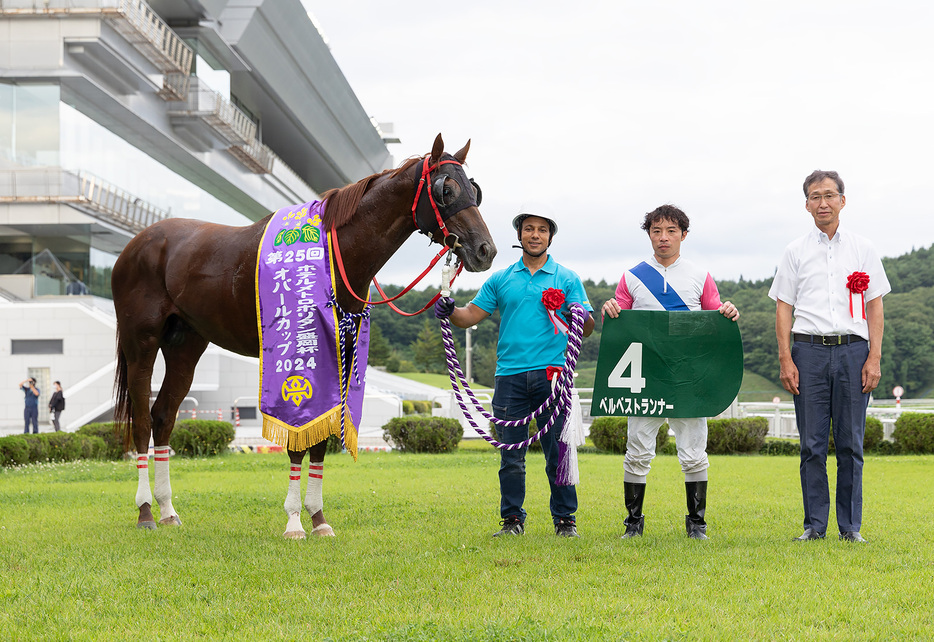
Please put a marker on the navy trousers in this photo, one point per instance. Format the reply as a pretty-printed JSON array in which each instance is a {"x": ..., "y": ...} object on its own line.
[
  {"x": 515, "y": 397},
  {"x": 31, "y": 416},
  {"x": 830, "y": 394}
]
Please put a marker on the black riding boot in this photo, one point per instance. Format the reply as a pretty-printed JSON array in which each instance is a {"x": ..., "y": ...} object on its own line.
[
  {"x": 697, "y": 503},
  {"x": 635, "y": 493}
]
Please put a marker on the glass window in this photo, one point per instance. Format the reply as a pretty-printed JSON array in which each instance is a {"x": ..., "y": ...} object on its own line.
[{"x": 29, "y": 125}]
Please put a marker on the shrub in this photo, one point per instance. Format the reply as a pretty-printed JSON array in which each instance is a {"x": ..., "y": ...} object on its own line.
[
  {"x": 781, "y": 447},
  {"x": 914, "y": 432},
  {"x": 417, "y": 434},
  {"x": 873, "y": 435},
  {"x": 59, "y": 449},
  {"x": 408, "y": 407},
  {"x": 38, "y": 448},
  {"x": 422, "y": 407},
  {"x": 728, "y": 436},
  {"x": 14, "y": 451},
  {"x": 888, "y": 448},
  {"x": 200, "y": 437},
  {"x": 112, "y": 435},
  {"x": 609, "y": 434},
  {"x": 334, "y": 444}
]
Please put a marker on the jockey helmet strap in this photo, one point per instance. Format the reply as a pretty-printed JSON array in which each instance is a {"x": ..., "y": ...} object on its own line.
[{"x": 441, "y": 200}]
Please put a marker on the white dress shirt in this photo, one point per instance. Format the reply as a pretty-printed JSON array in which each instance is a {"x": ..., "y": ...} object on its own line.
[{"x": 812, "y": 278}]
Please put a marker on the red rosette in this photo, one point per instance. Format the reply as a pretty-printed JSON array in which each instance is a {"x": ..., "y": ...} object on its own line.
[
  {"x": 553, "y": 298},
  {"x": 858, "y": 282}
]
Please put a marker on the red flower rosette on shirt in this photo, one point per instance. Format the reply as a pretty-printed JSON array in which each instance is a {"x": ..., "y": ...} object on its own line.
[
  {"x": 858, "y": 283},
  {"x": 553, "y": 299}
]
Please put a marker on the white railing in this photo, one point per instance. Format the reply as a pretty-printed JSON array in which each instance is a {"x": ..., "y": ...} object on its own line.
[{"x": 218, "y": 112}]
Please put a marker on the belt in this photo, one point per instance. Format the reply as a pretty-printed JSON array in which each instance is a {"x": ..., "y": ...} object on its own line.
[{"x": 828, "y": 340}]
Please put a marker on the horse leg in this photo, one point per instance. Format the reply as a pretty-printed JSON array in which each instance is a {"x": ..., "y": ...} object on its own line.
[
  {"x": 139, "y": 377},
  {"x": 314, "y": 501},
  {"x": 293, "y": 502},
  {"x": 181, "y": 357}
]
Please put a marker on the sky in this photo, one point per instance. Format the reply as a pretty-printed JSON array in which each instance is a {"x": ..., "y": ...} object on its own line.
[{"x": 602, "y": 111}]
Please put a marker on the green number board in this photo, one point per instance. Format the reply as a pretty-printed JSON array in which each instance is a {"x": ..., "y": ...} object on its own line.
[{"x": 667, "y": 364}]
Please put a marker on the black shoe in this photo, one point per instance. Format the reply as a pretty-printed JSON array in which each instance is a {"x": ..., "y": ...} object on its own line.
[
  {"x": 635, "y": 522},
  {"x": 808, "y": 535},
  {"x": 566, "y": 527},
  {"x": 852, "y": 536},
  {"x": 510, "y": 526},
  {"x": 634, "y": 527},
  {"x": 694, "y": 524}
]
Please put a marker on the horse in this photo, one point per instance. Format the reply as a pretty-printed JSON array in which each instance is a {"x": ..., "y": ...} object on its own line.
[{"x": 181, "y": 284}]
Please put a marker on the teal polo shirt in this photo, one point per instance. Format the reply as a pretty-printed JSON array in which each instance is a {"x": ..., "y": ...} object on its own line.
[{"x": 527, "y": 339}]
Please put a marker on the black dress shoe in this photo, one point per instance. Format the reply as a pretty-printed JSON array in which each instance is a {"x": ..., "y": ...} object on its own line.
[
  {"x": 852, "y": 536},
  {"x": 808, "y": 535}
]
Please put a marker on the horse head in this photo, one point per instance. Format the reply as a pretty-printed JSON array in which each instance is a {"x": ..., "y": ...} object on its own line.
[{"x": 447, "y": 207}]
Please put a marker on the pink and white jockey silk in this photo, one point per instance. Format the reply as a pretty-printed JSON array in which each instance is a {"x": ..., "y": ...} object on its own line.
[{"x": 695, "y": 286}]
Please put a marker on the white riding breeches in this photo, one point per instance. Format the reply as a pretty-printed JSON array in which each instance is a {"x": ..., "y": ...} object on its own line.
[{"x": 690, "y": 438}]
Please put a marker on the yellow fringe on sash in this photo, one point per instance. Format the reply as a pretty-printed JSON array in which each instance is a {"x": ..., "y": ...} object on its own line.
[{"x": 313, "y": 432}]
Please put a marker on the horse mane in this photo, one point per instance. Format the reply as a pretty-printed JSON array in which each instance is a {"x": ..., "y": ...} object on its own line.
[{"x": 341, "y": 202}]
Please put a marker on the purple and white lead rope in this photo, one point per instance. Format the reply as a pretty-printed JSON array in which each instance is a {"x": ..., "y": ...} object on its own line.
[{"x": 562, "y": 389}]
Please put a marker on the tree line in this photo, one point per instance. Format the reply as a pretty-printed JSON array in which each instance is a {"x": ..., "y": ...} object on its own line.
[{"x": 413, "y": 344}]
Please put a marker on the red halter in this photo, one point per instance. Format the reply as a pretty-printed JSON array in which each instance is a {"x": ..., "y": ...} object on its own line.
[{"x": 450, "y": 242}]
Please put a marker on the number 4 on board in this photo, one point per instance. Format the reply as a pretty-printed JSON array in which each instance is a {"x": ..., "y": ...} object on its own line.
[{"x": 632, "y": 361}]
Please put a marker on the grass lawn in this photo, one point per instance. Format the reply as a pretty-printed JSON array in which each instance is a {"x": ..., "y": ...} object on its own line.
[{"x": 414, "y": 560}]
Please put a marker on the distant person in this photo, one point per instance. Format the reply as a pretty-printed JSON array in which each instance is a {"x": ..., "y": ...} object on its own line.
[
  {"x": 667, "y": 282},
  {"x": 529, "y": 345},
  {"x": 31, "y": 411},
  {"x": 831, "y": 282},
  {"x": 76, "y": 287},
  {"x": 57, "y": 405}
]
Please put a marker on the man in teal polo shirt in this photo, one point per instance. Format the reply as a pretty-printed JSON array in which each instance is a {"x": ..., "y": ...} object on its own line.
[{"x": 529, "y": 343}]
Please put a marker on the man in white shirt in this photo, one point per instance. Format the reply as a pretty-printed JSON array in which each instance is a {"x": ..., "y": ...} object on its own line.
[{"x": 828, "y": 292}]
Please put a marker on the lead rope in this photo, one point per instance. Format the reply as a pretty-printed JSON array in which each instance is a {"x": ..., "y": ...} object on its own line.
[
  {"x": 347, "y": 327},
  {"x": 561, "y": 391}
]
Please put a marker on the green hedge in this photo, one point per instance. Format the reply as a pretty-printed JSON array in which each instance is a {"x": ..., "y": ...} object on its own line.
[
  {"x": 416, "y": 407},
  {"x": 112, "y": 435},
  {"x": 914, "y": 432},
  {"x": 17, "y": 450},
  {"x": 609, "y": 434},
  {"x": 419, "y": 434},
  {"x": 201, "y": 437},
  {"x": 781, "y": 447},
  {"x": 732, "y": 436}
]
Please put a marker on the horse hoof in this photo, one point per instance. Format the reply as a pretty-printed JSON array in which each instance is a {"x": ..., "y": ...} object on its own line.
[
  {"x": 149, "y": 526},
  {"x": 294, "y": 535},
  {"x": 171, "y": 520},
  {"x": 323, "y": 530}
]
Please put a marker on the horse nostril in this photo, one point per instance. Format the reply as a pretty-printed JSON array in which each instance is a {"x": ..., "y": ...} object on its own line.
[{"x": 487, "y": 251}]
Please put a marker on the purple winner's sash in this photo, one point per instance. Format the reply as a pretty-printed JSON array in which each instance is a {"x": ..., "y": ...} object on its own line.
[{"x": 300, "y": 369}]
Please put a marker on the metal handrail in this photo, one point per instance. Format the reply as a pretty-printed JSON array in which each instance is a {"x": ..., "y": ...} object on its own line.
[
  {"x": 134, "y": 19},
  {"x": 83, "y": 190}
]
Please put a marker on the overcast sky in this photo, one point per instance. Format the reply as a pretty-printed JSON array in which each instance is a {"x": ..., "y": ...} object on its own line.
[{"x": 605, "y": 110}]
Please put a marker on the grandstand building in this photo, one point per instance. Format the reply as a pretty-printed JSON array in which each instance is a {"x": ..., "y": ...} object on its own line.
[{"x": 115, "y": 114}]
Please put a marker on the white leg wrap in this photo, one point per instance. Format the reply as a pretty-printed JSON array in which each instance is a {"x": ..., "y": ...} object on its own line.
[
  {"x": 293, "y": 503},
  {"x": 313, "y": 498},
  {"x": 143, "y": 494},
  {"x": 163, "y": 487}
]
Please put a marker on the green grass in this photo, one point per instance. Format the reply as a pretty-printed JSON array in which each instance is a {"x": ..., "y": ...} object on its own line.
[
  {"x": 428, "y": 378},
  {"x": 414, "y": 560},
  {"x": 758, "y": 388}
]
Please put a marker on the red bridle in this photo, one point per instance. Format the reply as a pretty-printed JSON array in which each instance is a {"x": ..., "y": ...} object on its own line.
[{"x": 450, "y": 242}]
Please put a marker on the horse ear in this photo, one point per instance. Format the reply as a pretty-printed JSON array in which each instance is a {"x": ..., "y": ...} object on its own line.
[
  {"x": 437, "y": 149},
  {"x": 462, "y": 154}
]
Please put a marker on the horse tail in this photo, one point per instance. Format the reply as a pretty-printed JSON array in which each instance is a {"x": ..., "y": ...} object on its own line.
[{"x": 123, "y": 405}]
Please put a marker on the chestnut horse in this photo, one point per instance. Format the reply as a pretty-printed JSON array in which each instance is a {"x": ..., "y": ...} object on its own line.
[{"x": 181, "y": 284}]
